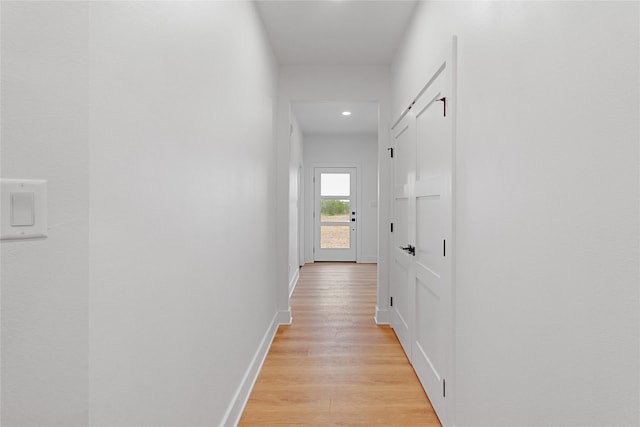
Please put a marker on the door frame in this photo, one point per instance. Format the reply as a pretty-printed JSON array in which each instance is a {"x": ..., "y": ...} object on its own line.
[
  {"x": 301, "y": 217},
  {"x": 309, "y": 215},
  {"x": 304, "y": 87}
]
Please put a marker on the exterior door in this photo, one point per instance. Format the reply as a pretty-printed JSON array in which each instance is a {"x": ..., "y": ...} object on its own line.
[
  {"x": 423, "y": 237},
  {"x": 335, "y": 214}
]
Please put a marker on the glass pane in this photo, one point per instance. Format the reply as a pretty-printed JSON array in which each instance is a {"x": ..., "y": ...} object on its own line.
[
  {"x": 334, "y": 237},
  {"x": 334, "y": 210},
  {"x": 335, "y": 184}
]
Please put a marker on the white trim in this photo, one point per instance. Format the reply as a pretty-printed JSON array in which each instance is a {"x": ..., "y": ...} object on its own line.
[
  {"x": 284, "y": 317},
  {"x": 294, "y": 281},
  {"x": 240, "y": 398},
  {"x": 301, "y": 212},
  {"x": 368, "y": 259},
  {"x": 382, "y": 316}
]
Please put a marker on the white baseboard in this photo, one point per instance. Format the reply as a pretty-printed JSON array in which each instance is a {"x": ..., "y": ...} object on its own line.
[
  {"x": 235, "y": 409},
  {"x": 284, "y": 317},
  {"x": 294, "y": 282},
  {"x": 382, "y": 316},
  {"x": 371, "y": 259}
]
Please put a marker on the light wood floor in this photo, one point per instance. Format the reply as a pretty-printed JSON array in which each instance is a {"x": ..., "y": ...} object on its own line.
[{"x": 333, "y": 365}]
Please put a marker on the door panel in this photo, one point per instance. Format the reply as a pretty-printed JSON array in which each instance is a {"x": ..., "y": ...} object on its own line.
[
  {"x": 401, "y": 164},
  {"x": 431, "y": 151},
  {"x": 429, "y": 244},
  {"x": 427, "y": 336},
  {"x": 401, "y": 314}
]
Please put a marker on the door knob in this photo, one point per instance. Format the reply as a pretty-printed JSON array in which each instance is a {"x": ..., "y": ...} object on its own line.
[{"x": 410, "y": 249}]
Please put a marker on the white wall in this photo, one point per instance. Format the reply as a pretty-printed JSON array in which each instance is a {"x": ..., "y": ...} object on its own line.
[
  {"x": 296, "y": 219},
  {"x": 182, "y": 208},
  {"x": 331, "y": 83},
  {"x": 152, "y": 300},
  {"x": 360, "y": 150},
  {"x": 547, "y": 206},
  {"x": 45, "y": 95}
]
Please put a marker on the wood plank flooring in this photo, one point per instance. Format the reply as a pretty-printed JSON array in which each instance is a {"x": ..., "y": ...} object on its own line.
[{"x": 334, "y": 365}]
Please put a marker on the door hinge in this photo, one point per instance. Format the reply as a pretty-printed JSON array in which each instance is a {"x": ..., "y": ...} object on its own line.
[
  {"x": 390, "y": 151},
  {"x": 444, "y": 388},
  {"x": 390, "y": 301},
  {"x": 392, "y": 227},
  {"x": 444, "y": 248},
  {"x": 444, "y": 105}
]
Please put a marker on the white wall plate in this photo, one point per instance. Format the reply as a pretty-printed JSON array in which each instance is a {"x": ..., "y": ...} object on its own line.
[{"x": 23, "y": 206}]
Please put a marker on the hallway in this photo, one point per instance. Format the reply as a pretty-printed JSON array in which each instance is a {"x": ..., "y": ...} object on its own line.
[
  {"x": 333, "y": 365},
  {"x": 162, "y": 147}
]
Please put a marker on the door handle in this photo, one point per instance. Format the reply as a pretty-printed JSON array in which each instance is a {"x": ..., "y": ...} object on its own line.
[{"x": 410, "y": 249}]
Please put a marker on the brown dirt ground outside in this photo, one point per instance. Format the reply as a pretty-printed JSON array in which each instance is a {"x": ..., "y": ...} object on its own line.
[{"x": 334, "y": 236}]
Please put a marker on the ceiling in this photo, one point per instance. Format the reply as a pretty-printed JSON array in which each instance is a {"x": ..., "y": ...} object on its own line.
[
  {"x": 326, "y": 117},
  {"x": 335, "y": 32}
]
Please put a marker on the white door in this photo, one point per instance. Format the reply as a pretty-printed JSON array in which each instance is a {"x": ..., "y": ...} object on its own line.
[
  {"x": 335, "y": 214},
  {"x": 426, "y": 204},
  {"x": 401, "y": 303}
]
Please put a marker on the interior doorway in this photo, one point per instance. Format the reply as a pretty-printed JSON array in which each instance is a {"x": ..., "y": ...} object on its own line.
[{"x": 342, "y": 136}]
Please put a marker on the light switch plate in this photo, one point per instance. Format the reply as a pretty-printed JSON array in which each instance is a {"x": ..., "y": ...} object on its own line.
[
  {"x": 23, "y": 206},
  {"x": 23, "y": 209}
]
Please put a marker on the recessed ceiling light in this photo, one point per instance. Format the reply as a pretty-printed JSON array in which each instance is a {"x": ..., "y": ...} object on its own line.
[{"x": 346, "y": 113}]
